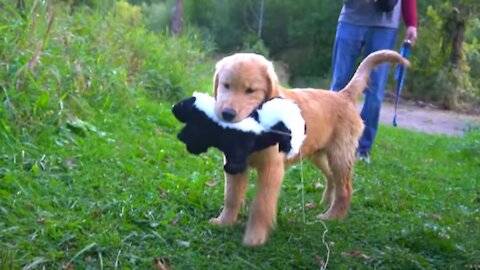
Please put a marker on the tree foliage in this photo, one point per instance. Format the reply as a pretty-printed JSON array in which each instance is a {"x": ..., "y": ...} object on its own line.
[
  {"x": 446, "y": 57},
  {"x": 298, "y": 36},
  {"x": 301, "y": 34}
]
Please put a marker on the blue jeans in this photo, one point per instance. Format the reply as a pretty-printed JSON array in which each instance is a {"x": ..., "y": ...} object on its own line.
[{"x": 349, "y": 42}]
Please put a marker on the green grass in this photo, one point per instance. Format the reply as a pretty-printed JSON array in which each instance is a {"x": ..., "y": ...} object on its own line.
[
  {"x": 129, "y": 193},
  {"x": 93, "y": 177}
]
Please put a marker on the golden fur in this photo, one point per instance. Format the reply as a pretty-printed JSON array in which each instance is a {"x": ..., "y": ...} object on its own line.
[{"x": 241, "y": 83}]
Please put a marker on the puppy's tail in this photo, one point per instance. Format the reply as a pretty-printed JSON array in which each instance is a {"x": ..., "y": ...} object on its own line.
[{"x": 360, "y": 80}]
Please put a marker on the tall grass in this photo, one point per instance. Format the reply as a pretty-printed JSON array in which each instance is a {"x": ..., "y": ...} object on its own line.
[{"x": 59, "y": 64}]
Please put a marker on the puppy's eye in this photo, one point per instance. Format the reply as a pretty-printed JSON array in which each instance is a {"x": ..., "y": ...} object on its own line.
[
  {"x": 226, "y": 85},
  {"x": 250, "y": 90}
]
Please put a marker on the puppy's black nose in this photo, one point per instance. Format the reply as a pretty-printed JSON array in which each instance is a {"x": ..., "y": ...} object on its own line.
[{"x": 228, "y": 114}]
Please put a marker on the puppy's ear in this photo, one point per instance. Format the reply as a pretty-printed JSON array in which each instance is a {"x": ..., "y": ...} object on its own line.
[
  {"x": 215, "y": 83},
  {"x": 218, "y": 68},
  {"x": 272, "y": 80}
]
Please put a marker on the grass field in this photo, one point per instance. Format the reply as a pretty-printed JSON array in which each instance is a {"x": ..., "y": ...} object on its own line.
[
  {"x": 121, "y": 192},
  {"x": 93, "y": 177}
]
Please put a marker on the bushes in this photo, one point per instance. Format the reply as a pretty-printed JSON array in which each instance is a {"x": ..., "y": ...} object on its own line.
[
  {"x": 299, "y": 34},
  {"x": 88, "y": 61},
  {"x": 433, "y": 75},
  {"x": 157, "y": 15}
]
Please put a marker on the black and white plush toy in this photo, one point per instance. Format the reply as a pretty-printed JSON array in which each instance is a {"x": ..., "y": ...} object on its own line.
[{"x": 276, "y": 121}]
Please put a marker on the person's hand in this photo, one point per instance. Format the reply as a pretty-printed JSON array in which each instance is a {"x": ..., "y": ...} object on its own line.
[{"x": 411, "y": 34}]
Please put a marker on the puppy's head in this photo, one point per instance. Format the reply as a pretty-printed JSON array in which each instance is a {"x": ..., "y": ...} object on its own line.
[{"x": 242, "y": 82}]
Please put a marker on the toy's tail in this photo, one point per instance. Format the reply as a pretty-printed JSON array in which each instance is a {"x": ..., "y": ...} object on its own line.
[{"x": 360, "y": 80}]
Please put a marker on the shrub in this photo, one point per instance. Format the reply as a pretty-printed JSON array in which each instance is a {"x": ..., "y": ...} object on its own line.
[
  {"x": 255, "y": 45},
  {"x": 432, "y": 76},
  {"x": 300, "y": 34},
  {"x": 157, "y": 15}
]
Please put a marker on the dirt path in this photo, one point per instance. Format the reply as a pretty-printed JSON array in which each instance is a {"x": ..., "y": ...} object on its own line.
[{"x": 428, "y": 120}]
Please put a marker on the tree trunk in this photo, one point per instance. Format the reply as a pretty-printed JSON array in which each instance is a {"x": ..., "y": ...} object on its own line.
[
  {"x": 458, "y": 38},
  {"x": 177, "y": 19},
  {"x": 260, "y": 19},
  {"x": 456, "y": 32}
]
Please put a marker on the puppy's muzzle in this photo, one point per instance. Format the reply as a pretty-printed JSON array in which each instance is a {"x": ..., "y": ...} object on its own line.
[{"x": 228, "y": 114}]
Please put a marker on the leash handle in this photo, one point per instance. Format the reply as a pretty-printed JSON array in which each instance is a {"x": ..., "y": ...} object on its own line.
[
  {"x": 405, "y": 53},
  {"x": 400, "y": 76}
]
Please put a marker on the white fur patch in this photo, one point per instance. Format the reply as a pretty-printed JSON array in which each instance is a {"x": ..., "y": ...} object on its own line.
[{"x": 272, "y": 112}]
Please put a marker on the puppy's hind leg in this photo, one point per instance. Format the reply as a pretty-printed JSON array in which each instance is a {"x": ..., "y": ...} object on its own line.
[
  {"x": 341, "y": 163},
  {"x": 235, "y": 189},
  {"x": 320, "y": 160}
]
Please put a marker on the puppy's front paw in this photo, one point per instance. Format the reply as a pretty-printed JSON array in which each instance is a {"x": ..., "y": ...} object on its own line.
[
  {"x": 324, "y": 216},
  {"x": 330, "y": 215},
  {"x": 257, "y": 238},
  {"x": 222, "y": 221}
]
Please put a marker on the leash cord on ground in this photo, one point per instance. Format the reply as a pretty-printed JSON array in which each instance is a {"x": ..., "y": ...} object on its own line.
[{"x": 324, "y": 266}]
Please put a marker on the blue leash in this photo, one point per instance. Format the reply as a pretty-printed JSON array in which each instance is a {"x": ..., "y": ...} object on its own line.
[{"x": 400, "y": 72}]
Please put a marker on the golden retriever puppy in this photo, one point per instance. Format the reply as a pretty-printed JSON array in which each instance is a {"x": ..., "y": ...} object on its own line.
[{"x": 242, "y": 82}]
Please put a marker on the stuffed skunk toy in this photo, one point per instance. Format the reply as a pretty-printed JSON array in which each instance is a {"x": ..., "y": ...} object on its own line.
[{"x": 276, "y": 121}]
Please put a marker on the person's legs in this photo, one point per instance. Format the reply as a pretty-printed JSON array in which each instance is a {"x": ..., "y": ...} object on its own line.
[
  {"x": 377, "y": 38},
  {"x": 348, "y": 44}
]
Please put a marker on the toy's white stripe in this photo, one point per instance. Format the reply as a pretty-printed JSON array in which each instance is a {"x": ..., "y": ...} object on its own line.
[
  {"x": 206, "y": 104},
  {"x": 289, "y": 113}
]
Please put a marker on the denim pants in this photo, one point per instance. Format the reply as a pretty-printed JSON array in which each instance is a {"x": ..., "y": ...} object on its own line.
[{"x": 349, "y": 42}]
